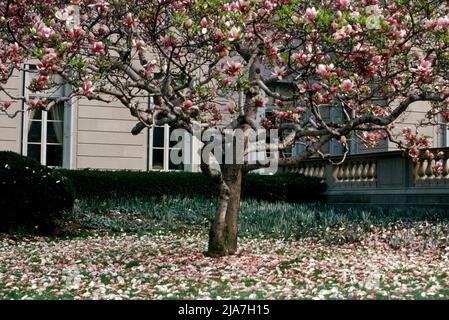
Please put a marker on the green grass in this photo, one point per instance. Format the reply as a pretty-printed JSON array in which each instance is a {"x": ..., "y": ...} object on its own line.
[
  {"x": 286, "y": 251},
  {"x": 289, "y": 221}
]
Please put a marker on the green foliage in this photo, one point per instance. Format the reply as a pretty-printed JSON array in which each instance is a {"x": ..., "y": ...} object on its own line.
[
  {"x": 278, "y": 220},
  {"x": 32, "y": 197},
  {"x": 124, "y": 184},
  {"x": 289, "y": 187}
]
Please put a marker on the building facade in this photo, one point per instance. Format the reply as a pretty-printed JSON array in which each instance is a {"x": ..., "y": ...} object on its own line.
[{"x": 93, "y": 134}]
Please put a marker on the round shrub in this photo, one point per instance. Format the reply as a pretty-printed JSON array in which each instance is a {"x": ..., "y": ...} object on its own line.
[{"x": 32, "y": 196}]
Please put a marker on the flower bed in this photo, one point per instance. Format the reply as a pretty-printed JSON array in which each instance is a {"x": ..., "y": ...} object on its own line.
[{"x": 170, "y": 265}]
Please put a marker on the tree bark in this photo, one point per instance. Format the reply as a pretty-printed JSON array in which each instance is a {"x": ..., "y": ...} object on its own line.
[{"x": 224, "y": 229}]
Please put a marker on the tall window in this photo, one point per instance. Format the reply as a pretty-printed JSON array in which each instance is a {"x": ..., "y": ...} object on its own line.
[
  {"x": 335, "y": 147},
  {"x": 445, "y": 135},
  {"x": 160, "y": 148},
  {"x": 45, "y": 133}
]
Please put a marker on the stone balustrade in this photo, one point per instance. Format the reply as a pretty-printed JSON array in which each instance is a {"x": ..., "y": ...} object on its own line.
[
  {"x": 355, "y": 172},
  {"x": 384, "y": 178},
  {"x": 316, "y": 169},
  {"x": 432, "y": 171}
]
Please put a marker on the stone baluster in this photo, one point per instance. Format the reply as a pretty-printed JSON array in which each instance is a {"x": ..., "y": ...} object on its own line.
[
  {"x": 347, "y": 173},
  {"x": 358, "y": 171},
  {"x": 372, "y": 171},
  {"x": 429, "y": 169},
  {"x": 321, "y": 171},
  {"x": 421, "y": 170},
  {"x": 353, "y": 171},
  {"x": 445, "y": 171},
  {"x": 365, "y": 171},
  {"x": 336, "y": 174}
]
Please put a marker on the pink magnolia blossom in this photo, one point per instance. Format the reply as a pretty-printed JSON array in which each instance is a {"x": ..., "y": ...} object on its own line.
[
  {"x": 168, "y": 41},
  {"x": 311, "y": 13},
  {"x": 65, "y": 14},
  {"x": 343, "y": 4},
  {"x": 36, "y": 104},
  {"x": 430, "y": 24},
  {"x": 6, "y": 104},
  {"x": 188, "y": 104},
  {"x": 267, "y": 124},
  {"x": 425, "y": 67},
  {"x": 300, "y": 110},
  {"x": 316, "y": 87},
  {"x": 131, "y": 22},
  {"x": 98, "y": 47},
  {"x": 43, "y": 79},
  {"x": 268, "y": 5},
  {"x": 376, "y": 60},
  {"x": 139, "y": 44},
  {"x": 278, "y": 72},
  {"x": 443, "y": 22},
  {"x": 76, "y": 32},
  {"x": 347, "y": 85},
  {"x": 300, "y": 58},
  {"x": 238, "y": 5},
  {"x": 429, "y": 155},
  {"x": 230, "y": 107},
  {"x": 45, "y": 32},
  {"x": 88, "y": 88},
  {"x": 343, "y": 32},
  {"x": 221, "y": 50},
  {"x": 325, "y": 70},
  {"x": 232, "y": 68},
  {"x": 258, "y": 102},
  {"x": 203, "y": 24},
  {"x": 219, "y": 35},
  {"x": 234, "y": 34}
]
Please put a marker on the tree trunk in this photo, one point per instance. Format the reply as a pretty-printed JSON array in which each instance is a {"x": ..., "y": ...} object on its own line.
[{"x": 224, "y": 229}]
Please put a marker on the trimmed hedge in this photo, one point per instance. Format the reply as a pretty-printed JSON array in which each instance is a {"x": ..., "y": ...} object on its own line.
[
  {"x": 32, "y": 196},
  {"x": 290, "y": 187}
]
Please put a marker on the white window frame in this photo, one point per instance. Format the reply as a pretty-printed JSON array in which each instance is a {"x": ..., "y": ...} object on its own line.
[
  {"x": 444, "y": 133},
  {"x": 67, "y": 123},
  {"x": 166, "y": 150}
]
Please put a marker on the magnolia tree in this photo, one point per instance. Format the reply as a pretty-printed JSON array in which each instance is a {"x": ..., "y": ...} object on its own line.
[{"x": 214, "y": 63}]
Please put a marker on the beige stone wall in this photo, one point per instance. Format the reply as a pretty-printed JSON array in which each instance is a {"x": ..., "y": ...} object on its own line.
[
  {"x": 10, "y": 129},
  {"x": 104, "y": 138},
  {"x": 101, "y": 135},
  {"x": 411, "y": 117}
]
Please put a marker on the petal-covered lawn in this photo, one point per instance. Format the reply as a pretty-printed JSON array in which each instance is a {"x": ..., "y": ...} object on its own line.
[{"x": 171, "y": 265}]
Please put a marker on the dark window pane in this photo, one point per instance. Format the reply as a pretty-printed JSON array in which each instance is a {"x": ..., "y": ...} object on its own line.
[
  {"x": 34, "y": 131},
  {"x": 158, "y": 137},
  {"x": 55, "y": 133},
  {"x": 34, "y": 151},
  {"x": 54, "y": 155},
  {"x": 158, "y": 159},
  {"x": 35, "y": 115},
  {"x": 56, "y": 112},
  {"x": 173, "y": 143},
  {"x": 172, "y": 166}
]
